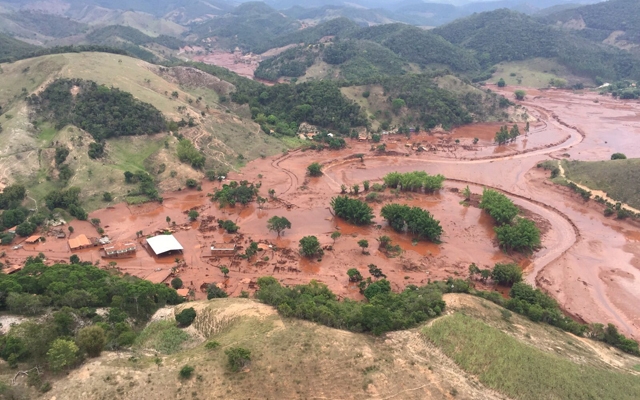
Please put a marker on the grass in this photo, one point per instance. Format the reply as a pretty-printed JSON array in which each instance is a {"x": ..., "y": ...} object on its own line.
[
  {"x": 637, "y": 367},
  {"x": 520, "y": 371},
  {"x": 617, "y": 178},
  {"x": 163, "y": 336},
  {"x": 536, "y": 73}
]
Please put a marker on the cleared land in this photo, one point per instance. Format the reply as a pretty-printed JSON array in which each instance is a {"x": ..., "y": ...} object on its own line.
[{"x": 534, "y": 73}]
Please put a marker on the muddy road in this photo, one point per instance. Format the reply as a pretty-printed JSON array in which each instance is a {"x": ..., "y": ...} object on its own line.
[{"x": 589, "y": 263}]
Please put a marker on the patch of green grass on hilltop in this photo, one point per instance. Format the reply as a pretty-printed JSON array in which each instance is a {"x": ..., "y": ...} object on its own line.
[
  {"x": 617, "y": 178},
  {"x": 536, "y": 72},
  {"x": 521, "y": 371}
]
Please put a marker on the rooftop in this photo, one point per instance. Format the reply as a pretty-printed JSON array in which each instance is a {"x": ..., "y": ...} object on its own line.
[
  {"x": 79, "y": 242},
  {"x": 164, "y": 243}
]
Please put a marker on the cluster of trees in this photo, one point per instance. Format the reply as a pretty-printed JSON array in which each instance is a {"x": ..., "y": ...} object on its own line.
[
  {"x": 103, "y": 112},
  {"x": 310, "y": 247},
  {"x": 67, "y": 296},
  {"x": 14, "y": 214},
  {"x": 351, "y": 210},
  {"x": 514, "y": 234},
  {"x": 68, "y": 199},
  {"x": 414, "y": 220},
  {"x": 384, "y": 311},
  {"x": 243, "y": 193},
  {"x": 147, "y": 186},
  {"x": 504, "y": 135},
  {"x": 503, "y": 274},
  {"x": 416, "y": 181},
  {"x": 187, "y": 153}
]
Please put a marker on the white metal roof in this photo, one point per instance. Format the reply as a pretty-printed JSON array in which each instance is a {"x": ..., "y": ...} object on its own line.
[{"x": 164, "y": 243}]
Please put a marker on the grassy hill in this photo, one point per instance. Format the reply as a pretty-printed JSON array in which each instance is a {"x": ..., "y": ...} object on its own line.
[
  {"x": 495, "y": 356},
  {"x": 10, "y": 47},
  {"x": 617, "y": 178},
  {"x": 26, "y": 151}
]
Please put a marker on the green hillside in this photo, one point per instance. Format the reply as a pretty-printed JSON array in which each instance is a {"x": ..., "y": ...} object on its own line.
[
  {"x": 617, "y": 178},
  {"x": 36, "y": 25},
  {"x": 10, "y": 47}
]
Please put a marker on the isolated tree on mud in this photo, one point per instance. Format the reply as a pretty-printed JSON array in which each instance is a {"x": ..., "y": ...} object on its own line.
[
  {"x": 520, "y": 94},
  {"x": 364, "y": 244},
  {"x": 224, "y": 270},
  {"x": 375, "y": 271},
  {"x": 522, "y": 236},
  {"x": 278, "y": 224},
  {"x": 193, "y": 215},
  {"x": 314, "y": 169},
  {"x": 310, "y": 247},
  {"x": 353, "y": 211},
  {"x": 354, "y": 275},
  {"x": 335, "y": 235}
]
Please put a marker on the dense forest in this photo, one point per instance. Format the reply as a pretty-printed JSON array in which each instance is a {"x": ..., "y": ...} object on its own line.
[
  {"x": 108, "y": 33},
  {"x": 103, "y": 112}
]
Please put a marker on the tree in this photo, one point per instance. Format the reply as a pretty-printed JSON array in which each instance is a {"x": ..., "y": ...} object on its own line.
[
  {"x": 74, "y": 259},
  {"x": 506, "y": 274},
  {"x": 310, "y": 247},
  {"x": 364, "y": 244},
  {"x": 92, "y": 340},
  {"x": 25, "y": 229},
  {"x": 352, "y": 210},
  {"x": 214, "y": 292},
  {"x": 191, "y": 183},
  {"x": 520, "y": 94},
  {"x": 375, "y": 271},
  {"x": 314, "y": 169},
  {"x": 365, "y": 186},
  {"x": 106, "y": 196},
  {"x": 397, "y": 105},
  {"x": 168, "y": 219},
  {"x": 498, "y": 206},
  {"x": 514, "y": 132},
  {"x": 237, "y": 358},
  {"x": 354, "y": 275},
  {"x": 335, "y": 235},
  {"x": 502, "y": 136},
  {"x": 466, "y": 192},
  {"x": 278, "y": 224},
  {"x": 382, "y": 286},
  {"x": 502, "y": 83},
  {"x": 193, "y": 215},
  {"x": 414, "y": 220},
  {"x": 186, "y": 371},
  {"x": 186, "y": 317},
  {"x": 523, "y": 236},
  {"x": 356, "y": 189},
  {"x": 176, "y": 283},
  {"x": 618, "y": 156},
  {"x": 61, "y": 354},
  {"x": 224, "y": 270}
]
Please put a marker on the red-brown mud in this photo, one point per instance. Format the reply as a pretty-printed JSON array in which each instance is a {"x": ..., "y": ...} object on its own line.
[{"x": 590, "y": 264}]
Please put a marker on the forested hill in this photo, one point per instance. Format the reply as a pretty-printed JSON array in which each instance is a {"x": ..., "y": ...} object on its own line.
[
  {"x": 505, "y": 35},
  {"x": 10, "y": 47},
  {"x": 601, "y": 19}
]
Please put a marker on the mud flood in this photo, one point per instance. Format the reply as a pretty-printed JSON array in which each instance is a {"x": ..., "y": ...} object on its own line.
[{"x": 590, "y": 264}]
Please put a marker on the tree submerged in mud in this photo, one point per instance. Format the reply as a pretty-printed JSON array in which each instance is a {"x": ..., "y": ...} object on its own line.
[
  {"x": 353, "y": 211},
  {"x": 414, "y": 220},
  {"x": 278, "y": 224}
]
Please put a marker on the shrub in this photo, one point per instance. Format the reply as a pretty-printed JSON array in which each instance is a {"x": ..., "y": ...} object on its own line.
[
  {"x": 237, "y": 358},
  {"x": 314, "y": 169},
  {"x": 176, "y": 283},
  {"x": 416, "y": 181},
  {"x": 186, "y": 317},
  {"x": 211, "y": 345},
  {"x": 353, "y": 211},
  {"x": 618, "y": 156},
  {"x": 523, "y": 236},
  {"x": 92, "y": 340},
  {"x": 228, "y": 226},
  {"x": 498, "y": 206},
  {"x": 414, "y": 220},
  {"x": 186, "y": 372},
  {"x": 191, "y": 183},
  {"x": 506, "y": 274},
  {"x": 214, "y": 292},
  {"x": 310, "y": 247}
]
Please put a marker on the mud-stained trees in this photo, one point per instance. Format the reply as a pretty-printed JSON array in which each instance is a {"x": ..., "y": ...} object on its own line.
[
  {"x": 414, "y": 220},
  {"x": 352, "y": 210},
  {"x": 310, "y": 247},
  {"x": 278, "y": 224}
]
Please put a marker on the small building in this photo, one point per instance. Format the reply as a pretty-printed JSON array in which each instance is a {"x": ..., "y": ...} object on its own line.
[
  {"x": 80, "y": 242},
  {"x": 183, "y": 293},
  {"x": 119, "y": 250},
  {"x": 164, "y": 245},
  {"x": 223, "y": 249},
  {"x": 12, "y": 230},
  {"x": 13, "y": 269},
  {"x": 33, "y": 239}
]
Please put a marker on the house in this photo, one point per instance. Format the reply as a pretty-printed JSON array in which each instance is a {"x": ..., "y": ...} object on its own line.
[
  {"x": 164, "y": 245},
  {"x": 223, "y": 249},
  {"x": 33, "y": 239},
  {"x": 12, "y": 230},
  {"x": 80, "y": 242},
  {"x": 119, "y": 250},
  {"x": 183, "y": 292}
]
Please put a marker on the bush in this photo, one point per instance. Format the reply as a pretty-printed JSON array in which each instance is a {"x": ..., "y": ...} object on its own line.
[
  {"x": 92, "y": 340},
  {"x": 506, "y": 274},
  {"x": 214, "y": 292},
  {"x": 523, "y": 236},
  {"x": 416, "y": 181},
  {"x": 498, "y": 206},
  {"x": 211, "y": 345},
  {"x": 414, "y": 220},
  {"x": 186, "y": 317},
  {"x": 191, "y": 183},
  {"x": 618, "y": 156},
  {"x": 353, "y": 211},
  {"x": 176, "y": 283},
  {"x": 237, "y": 358},
  {"x": 186, "y": 372},
  {"x": 314, "y": 169},
  {"x": 106, "y": 196},
  {"x": 228, "y": 226}
]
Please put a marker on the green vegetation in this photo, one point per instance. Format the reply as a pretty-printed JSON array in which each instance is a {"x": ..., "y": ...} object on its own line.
[
  {"x": 353, "y": 211},
  {"x": 314, "y": 169},
  {"x": 10, "y": 48},
  {"x": 413, "y": 220},
  {"x": 384, "y": 311},
  {"x": 506, "y": 274},
  {"x": 186, "y": 372},
  {"x": 186, "y": 317},
  {"x": 504, "y": 135},
  {"x": 214, "y": 292},
  {"x": 188, "y": 153},
  {"x": 416, "y": 181},
  {"x": 618, "y": 156},
  {"x": 310, "y": 247},
  {"x": 498, "y": 206},
  {"x": 237, "y": 358},
  {"x": 521, "y": 236},
  {"x": 228, "y": 225},
  {"x": 616, "y": 178},
  {"x": 232, "y": 193},
  {"x": 92, "y": 340},
  {"x": 503, "y": 363},
  {"x": 278, "y": 224},
  {"x": 162, "y": 336},
  {"x": 101, "y": 111}
]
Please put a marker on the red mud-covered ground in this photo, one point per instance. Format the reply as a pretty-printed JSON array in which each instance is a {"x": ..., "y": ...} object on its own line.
[{"x": 590, "y": 264}]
